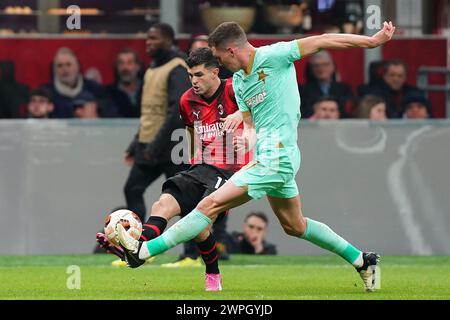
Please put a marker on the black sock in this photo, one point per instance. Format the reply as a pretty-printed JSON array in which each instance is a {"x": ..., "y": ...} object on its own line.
[
  {"x": 209, "y": 254},
  {"x": 153, "y": 228}
]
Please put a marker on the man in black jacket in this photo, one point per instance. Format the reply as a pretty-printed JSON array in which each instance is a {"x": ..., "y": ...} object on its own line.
[
  {"x": 321, "y": 82},
  {"x": 164, "y": 83},
  {"x": 126, "y": 91},
  {"x": 252, "y": 238}
]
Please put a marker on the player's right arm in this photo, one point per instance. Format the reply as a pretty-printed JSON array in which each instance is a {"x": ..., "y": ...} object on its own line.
[
  {"x": 313, "y": 44},
  {"x": 186, "y": 117},
  {"x": 191, "y": 140}
]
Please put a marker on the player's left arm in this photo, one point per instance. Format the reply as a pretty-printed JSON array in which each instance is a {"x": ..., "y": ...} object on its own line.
[
  {"x": 247, "y": 140},
  {"x": 232, "y": 122},
  {"x": 313, "y": 44}
]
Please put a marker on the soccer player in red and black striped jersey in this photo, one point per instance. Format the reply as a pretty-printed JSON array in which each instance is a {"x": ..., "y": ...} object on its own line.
[{"x": 212, "y": 120}]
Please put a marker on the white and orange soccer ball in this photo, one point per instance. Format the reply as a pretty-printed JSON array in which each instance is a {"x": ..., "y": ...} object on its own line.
[{"x": 128, "y": 219}]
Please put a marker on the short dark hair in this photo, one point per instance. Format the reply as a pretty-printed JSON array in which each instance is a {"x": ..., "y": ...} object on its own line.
[
  {"x": 394, "y": 62},
  {"x": 198, "y": 38},
  {"x": 417, "y": 97},
  {"x": 326, "y": 98},
  {"x": 258, "y": 214},
  {"x": 127, "y": 50},
  {"x": 165, "y": 29},
  {"x": 42, "y": 92},
  {"x": 225, "y": 32},
  {"x": 202, "y": 56}
]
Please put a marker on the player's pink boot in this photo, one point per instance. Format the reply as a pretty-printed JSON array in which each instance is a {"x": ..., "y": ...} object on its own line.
[{"x": 213, "y": 282}]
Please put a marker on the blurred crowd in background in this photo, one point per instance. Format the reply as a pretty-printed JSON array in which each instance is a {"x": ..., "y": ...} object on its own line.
[
  {"x": 76, "y": 93},
  {"x": 71, "y": 94}
]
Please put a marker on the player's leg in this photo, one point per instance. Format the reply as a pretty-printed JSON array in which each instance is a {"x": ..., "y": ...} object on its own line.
[
  {"x": 181, "y": 194},
  {"x": 226, "y": 197},
  {"x": 220, "y": 231},
  {"x": 207, "y": 246},
  {"x": 289, "y": 213},
  {"x": 139, "y": 178},
  {"x": 189, "y": 188},
  {"x": 164, "y": 209},
  {"x": 174, "y": 199}
]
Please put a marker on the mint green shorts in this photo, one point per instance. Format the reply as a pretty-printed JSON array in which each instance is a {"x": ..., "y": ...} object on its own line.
[{"x": 275, "y": 178}]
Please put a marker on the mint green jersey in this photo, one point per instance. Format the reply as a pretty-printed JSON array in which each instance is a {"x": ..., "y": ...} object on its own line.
[{"x": 271, "y": 94}]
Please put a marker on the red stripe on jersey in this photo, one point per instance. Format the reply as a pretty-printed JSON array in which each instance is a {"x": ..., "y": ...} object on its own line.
[{"x": 213, "y": 146}]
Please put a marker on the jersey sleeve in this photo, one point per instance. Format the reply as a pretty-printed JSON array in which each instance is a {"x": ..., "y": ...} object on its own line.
[
  {"x": 184, "y": 113},
  {"x": 283, "y": 53},
  {"x": 240, "y": 102}
]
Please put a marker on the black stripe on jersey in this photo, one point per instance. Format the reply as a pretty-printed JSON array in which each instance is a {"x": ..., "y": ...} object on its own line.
[{"x": 218, "y": 92}]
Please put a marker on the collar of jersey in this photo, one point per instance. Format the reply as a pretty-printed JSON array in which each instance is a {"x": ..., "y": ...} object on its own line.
[{"x": 252, "y": 64}]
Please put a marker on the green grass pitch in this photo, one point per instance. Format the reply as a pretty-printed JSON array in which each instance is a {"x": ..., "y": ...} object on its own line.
[{"x": 244, "y": 277}]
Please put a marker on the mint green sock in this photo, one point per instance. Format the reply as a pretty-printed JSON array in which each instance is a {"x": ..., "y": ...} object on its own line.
[
  {"x": 321, "y": 235},
  {"x": 184, "y": 230}
]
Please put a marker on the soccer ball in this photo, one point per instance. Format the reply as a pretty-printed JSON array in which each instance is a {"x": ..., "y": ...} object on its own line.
[{"x": 128, "y": 219}]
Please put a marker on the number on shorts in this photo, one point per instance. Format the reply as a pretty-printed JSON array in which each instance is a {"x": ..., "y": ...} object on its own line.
[{"x": 219, "y": 182}]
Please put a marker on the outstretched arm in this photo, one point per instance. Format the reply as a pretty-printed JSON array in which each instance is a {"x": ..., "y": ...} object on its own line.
[{"x": 313, "y": 44}]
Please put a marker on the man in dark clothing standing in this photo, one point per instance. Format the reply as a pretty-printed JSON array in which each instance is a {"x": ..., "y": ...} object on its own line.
[
  {"x": 164, "y": 83},
  {"x": 13, "y": 95}
]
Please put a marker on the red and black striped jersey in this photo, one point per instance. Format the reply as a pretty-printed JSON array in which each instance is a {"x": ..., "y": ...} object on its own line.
[{"x": 212, "y": 145}]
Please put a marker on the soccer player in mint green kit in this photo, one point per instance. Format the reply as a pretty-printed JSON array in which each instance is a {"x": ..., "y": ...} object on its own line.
[{"x": 266, "y": 90}]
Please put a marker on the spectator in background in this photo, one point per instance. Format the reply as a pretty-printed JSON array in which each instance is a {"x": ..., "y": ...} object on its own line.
[
  {"x": 149, "y": 154},
  {"x": 371, "y": 107},
  {"x": 13, "y": 95},
  {"x": 416, "y": 107},
  {"x": 252, "y": 238},
  {"x": 393, "y": 89},
  {"x": 40, "y": 105},
  {"x": 200, "y": 41},
  {"x": 321, "y": 81},
  {"x": 326, "y": 108},
  {"x": 126, "y": 92},
  {"x": 85, "y": 107},
  {"x": 68, "y": 84}
]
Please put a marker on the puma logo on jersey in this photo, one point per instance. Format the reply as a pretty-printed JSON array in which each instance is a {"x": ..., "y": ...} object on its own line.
[{"x": 196, "y": 114}]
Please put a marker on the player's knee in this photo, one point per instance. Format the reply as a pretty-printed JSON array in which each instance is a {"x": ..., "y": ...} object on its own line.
[
  {"x": 159, "y": 209},
  {"x": 208, "y": 206},
  {"x": 290, "y": 230},
  {"x": 296, "y": 229}
]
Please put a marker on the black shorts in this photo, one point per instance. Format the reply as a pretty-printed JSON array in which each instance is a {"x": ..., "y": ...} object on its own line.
[{"x": 191, "y": 186}]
